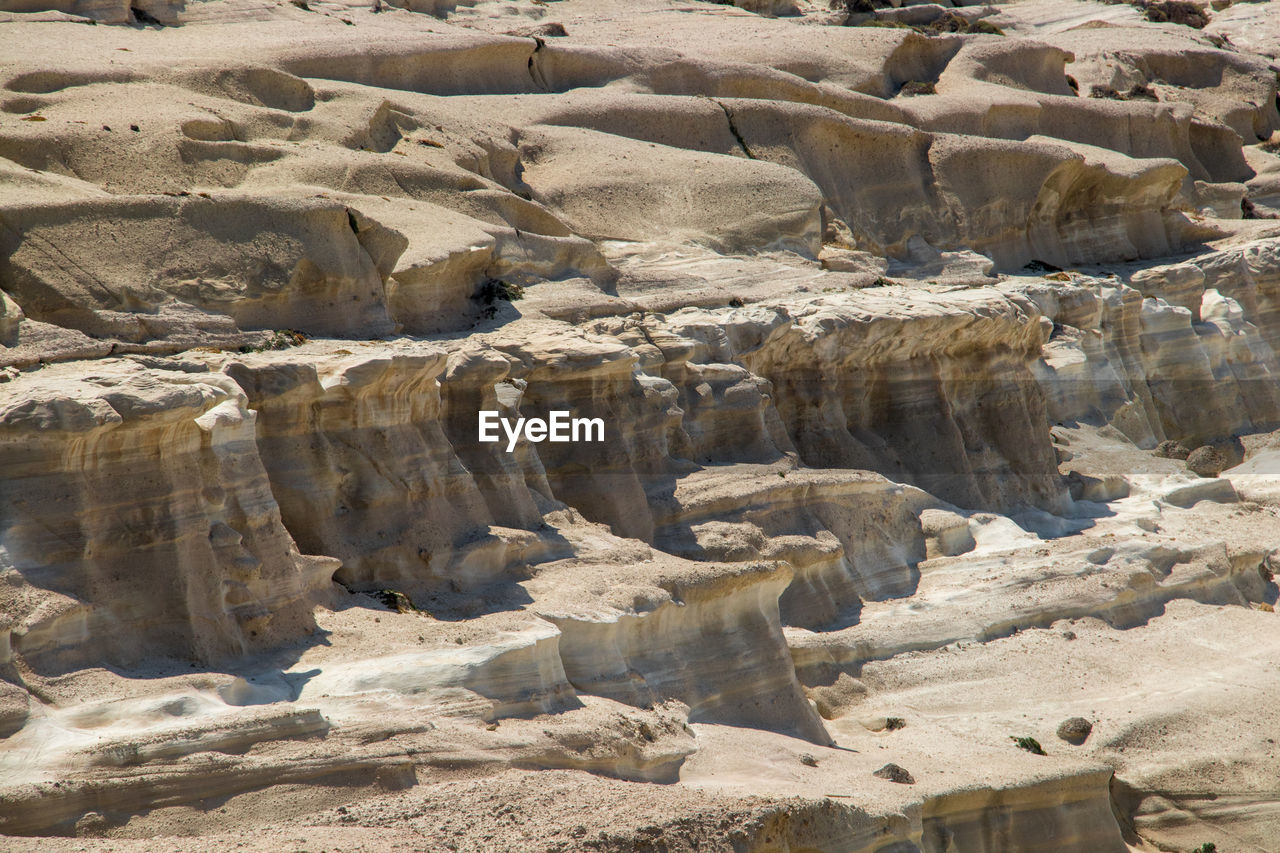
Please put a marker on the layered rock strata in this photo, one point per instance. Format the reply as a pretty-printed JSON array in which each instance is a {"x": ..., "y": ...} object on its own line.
[{"x": 882, "y": 495}]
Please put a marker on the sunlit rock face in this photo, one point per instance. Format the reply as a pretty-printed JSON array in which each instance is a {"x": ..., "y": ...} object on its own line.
[
  {"x": 938, "y": 394},
  {"x": 1163, "y": 357},
  {"x": 326, "y": 435},
  {"x": 139, "y": 521},
  {"x": 924, "y": 368}
]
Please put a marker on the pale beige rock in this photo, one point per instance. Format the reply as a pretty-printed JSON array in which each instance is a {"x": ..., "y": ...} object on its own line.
[
  {"x": 156, "y": 470},
  {"x": 946, "y": 533},
  {"x": 324, "y": 431},
  {"x": 875, "y": 490}
]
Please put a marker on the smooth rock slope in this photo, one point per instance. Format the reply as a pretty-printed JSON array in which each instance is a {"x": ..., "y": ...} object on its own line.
[{"x": 937, "y": 353}]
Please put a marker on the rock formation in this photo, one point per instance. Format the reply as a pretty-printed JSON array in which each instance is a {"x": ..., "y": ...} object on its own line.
[{"x": 936, "y": 352}]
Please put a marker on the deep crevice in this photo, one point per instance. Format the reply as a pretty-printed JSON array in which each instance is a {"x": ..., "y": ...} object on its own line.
[
  {"x": 733, "y": 128},
  {"x": 534, "y": 73}
]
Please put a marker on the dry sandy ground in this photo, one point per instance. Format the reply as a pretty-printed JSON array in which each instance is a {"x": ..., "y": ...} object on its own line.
[{"x": 895, "y": 319}]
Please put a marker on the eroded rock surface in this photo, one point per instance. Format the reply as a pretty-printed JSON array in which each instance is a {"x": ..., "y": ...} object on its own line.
[{"x": 936, "y": 353}]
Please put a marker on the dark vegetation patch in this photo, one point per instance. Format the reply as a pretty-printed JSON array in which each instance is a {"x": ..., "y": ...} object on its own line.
[
  {"x": 916, "y": 87},
  {"x": 1029, "y": 744},
  {"x": 495, "y": 290},
  {"x": 1136, "y": 92},
  {"x": 1174, "y": 12},
  {"x": 1041, "y": 267},
  {"x": 279, "y": 339}
]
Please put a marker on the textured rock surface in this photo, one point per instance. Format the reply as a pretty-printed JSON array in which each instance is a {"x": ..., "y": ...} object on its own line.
[
  {"x": 1075, "y": 731},
  {"x": 910, "y": 329},
  {"x": 155, "y": 471}
]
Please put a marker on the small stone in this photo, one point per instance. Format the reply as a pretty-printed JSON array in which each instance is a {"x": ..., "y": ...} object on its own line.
[
  {"x": 1075, "y": 730},
  {"x": 808, "y": 760},
  {"x": 1171, "y": 450},
  {"x": 1100, "y": 556},
  {"x": 1206, "y": 461},
  {"x": 91, "y": 824},
  {"x": 894, "y": 773}
]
